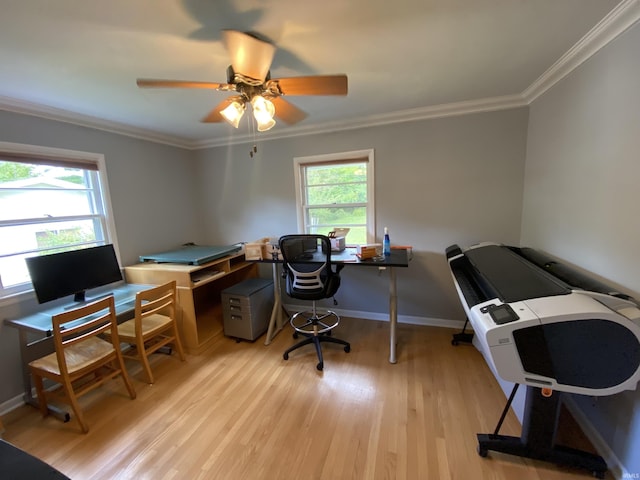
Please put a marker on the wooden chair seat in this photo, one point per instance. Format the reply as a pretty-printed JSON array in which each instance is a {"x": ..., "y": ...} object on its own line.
[
  {"x": 82, "y": 360},
  {"x": 153, "y": 327},
  {"x": 78, "y": 357}
]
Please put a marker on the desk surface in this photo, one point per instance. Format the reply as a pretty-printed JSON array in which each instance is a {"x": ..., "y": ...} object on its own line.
[
  {"x": 398, "y": 258},
  {"x": 40, "y": 322},
  {"x": 192, "y": 254}
]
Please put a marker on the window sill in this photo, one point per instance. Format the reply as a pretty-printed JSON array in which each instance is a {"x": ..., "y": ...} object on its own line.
[{"x": 18, "y": 297}]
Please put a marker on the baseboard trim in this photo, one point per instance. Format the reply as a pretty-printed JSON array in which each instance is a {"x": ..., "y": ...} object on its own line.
[
  {"x": 12, "y": 404},
  {"x": 616, "y": 467},
  {"x": 383, "y": 317}
]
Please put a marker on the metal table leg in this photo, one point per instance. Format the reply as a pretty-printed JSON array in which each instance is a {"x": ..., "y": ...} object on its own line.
[
  {"x": 275, "y": 322},
  {"x": 393, "y": 315}
]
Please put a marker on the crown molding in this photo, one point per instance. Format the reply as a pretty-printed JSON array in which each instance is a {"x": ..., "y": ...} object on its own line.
[
  {"x": 51, "y": 113},
  {"x": 401, "y": 116},
  {"x": 622, "y": 17}
]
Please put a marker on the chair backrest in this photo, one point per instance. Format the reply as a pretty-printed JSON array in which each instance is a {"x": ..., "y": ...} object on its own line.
[
  {"x": 160, "y": 299},
  {"x": 307, "y": 264},
  {"x": 83, "y": 323}
]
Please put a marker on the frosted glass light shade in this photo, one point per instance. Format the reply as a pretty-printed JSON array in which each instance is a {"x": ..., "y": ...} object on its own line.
[
  {"x": 263, "y": 112},
  {"x": 233, "y": 112}
]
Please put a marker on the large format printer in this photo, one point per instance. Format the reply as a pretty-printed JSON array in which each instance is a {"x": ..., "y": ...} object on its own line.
[{"x": 545, "y": 325}]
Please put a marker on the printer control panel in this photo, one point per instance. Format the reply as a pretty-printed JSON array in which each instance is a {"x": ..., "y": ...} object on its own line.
[{"x": 500, "y": 314}]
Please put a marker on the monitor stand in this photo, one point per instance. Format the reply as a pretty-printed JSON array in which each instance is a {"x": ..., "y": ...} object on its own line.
[{"x": 80, "y": 299}]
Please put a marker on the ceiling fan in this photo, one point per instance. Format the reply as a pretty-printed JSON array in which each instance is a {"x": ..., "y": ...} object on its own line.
[{"x": 249, "y": 76}]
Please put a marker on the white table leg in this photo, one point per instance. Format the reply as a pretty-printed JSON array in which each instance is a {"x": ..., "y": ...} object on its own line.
[
  {"x": 393, "y": 315},
  {"x": 275, "y": 322}
]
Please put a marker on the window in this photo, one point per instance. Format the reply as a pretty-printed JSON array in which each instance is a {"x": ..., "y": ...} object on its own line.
[
  {"x": 51, "y": 200},
  {"x": 336, "y": 191}
]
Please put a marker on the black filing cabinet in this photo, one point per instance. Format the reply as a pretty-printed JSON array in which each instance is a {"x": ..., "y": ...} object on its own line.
[{"x": 246, "y": 308}]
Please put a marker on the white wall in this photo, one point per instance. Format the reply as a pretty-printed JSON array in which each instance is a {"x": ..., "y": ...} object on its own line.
[{"x": 581, "y": 198}]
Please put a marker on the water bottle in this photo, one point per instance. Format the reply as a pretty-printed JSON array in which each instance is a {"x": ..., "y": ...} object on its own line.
[{"x": 386, "y": 244}]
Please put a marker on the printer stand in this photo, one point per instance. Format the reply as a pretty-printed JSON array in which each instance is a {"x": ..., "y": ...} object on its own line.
[
  {"x": 463, "y": 336},
  {"x": 539, "y": 428}
]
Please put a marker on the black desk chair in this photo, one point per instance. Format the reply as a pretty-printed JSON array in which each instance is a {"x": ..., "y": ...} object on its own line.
[{"x": 310, "y": 275}]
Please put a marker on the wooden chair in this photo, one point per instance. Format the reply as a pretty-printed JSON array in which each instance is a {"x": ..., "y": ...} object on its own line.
[
  {"x": 82, "y": 360},
  {"x": 153, "y": 327}
]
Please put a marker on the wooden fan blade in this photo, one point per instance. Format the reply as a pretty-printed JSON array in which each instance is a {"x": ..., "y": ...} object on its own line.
[
  {"x": 286, "y": 111},
  {"x": 249, "y": 56},
  {"x": 214, "y": 115},
  {"x": 159, "y": 83},
  {"x": 313, "y": 85}
]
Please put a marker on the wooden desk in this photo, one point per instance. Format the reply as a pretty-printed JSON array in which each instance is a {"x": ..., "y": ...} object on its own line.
[
  {"x": 39, "y": 324},
  {"x": 399, "y": 258},
  {"x": 199, "y": 312}
]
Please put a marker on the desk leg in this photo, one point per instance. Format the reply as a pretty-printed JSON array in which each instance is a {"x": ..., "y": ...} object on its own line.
[
  {"x": 275, "y": 322},
  {"x": 29, "y": 352},
  {"x": 393, "y": 314}
]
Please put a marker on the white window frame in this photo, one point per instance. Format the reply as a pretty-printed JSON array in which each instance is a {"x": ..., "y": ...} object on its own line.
[
  {"x": 300, "y": 163},
  {"x": 95, "y": 160}
]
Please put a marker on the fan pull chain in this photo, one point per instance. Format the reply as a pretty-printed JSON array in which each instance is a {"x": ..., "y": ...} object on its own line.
[
  {"x": 253, "y": 134},
  {"x": 252, "y": 128}
]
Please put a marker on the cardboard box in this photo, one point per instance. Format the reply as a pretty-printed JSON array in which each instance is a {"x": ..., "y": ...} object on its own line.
[
  {"x": 265, "y": 248},
  {"x": 253, "y": 251},
  {"x": 337, "y": 244},
  {"x": 271, "y": 250},
  {"x": 369, "y": 251}
]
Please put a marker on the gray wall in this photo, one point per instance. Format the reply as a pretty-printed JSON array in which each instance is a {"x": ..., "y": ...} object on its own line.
[
  {"x": 581, "y": 198},
  {"x": 152, "y": 195},
  {"x": 437, "y": 182}
]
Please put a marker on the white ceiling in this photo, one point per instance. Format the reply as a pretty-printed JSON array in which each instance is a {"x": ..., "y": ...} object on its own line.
[{"x": 77, "y": 60}]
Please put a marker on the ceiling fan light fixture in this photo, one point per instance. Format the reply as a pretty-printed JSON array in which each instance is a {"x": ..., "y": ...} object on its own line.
[
  {"x": 263, "y": 112},
  {"x": 233, "y": 112}
]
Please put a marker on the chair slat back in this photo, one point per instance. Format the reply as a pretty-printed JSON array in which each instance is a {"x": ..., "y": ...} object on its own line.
[
  {"x": 160, "y": 299},
  {"x": 82, "y": 323}
]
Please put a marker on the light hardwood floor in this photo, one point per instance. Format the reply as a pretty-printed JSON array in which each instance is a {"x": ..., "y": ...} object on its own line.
[{"x": 239, "y": 411}]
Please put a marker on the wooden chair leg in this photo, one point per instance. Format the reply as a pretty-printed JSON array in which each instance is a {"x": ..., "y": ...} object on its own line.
[
  {"x": 118, "y": 362},
  {"x": 147, "y": 368},
  {"x": 177, "y": 342},
  {"x": 75, "y": 406},
  {"x": 142, "y": 355},
  {"x": 42, "y": 400}
]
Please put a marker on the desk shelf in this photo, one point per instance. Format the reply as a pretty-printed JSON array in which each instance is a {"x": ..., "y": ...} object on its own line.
[{"x": 199, "y": 286}]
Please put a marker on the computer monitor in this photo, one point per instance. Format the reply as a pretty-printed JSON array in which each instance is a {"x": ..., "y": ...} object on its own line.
[{"x": 73, "y": 273}]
